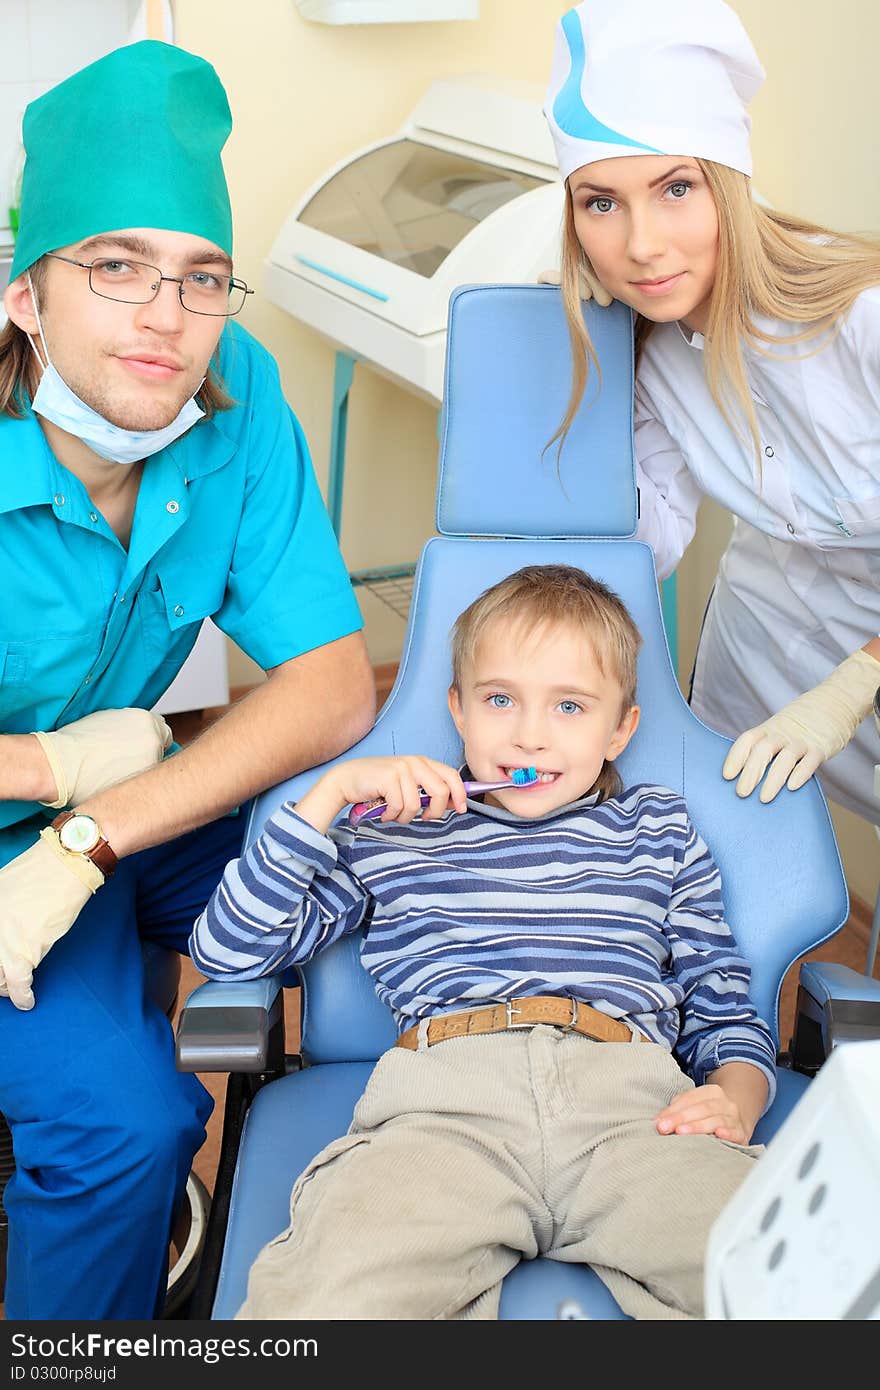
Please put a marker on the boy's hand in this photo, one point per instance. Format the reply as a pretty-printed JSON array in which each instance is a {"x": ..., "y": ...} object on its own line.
[
  {"x": 704, "y": 1110},
  {"x": 398, "y": 781}
]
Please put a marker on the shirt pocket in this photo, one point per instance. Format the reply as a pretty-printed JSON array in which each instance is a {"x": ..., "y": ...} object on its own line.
[
  {"x": 14, "y": 668},
  {"x": 14, "y": 664},
  {"x": 38, "y": 676},
  {"x": 859, "y": 516}
]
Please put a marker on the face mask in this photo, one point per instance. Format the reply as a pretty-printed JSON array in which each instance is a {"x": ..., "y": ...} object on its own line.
[{"x": 55, "y": 401}]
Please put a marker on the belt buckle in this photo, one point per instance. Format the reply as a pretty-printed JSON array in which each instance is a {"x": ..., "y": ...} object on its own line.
[{"x": 510, "y": 1011}]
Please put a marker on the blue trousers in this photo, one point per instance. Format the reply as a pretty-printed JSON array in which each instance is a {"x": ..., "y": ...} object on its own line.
[{"x": 104, "y": 1128}]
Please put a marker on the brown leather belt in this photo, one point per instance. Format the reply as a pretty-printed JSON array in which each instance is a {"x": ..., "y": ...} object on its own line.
[{"x": 561, "y": 1012}]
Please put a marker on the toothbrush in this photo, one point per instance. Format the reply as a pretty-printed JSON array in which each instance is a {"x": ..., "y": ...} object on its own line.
[{"x": 371, "y": 810}]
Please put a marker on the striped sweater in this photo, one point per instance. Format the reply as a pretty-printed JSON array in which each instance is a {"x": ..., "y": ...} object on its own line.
[{"x": 615, "y": 904}]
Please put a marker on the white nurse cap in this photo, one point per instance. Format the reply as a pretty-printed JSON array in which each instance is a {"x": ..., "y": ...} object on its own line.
[{"x": 652, "y": 77}]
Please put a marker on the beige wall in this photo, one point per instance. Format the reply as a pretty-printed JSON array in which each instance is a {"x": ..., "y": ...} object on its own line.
[{"x": 304, "y": 95}]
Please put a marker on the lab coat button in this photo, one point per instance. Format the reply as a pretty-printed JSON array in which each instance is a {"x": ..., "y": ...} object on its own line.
[
  {"x": 769, "y": 452},
  {"x": 172, "y": 506},
  {"x": 789, "y": 528},
  {"x": 178, "y": 611}
]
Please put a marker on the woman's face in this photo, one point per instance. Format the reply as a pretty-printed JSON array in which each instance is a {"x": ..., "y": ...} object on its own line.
[{"x": 650, "y": 228}]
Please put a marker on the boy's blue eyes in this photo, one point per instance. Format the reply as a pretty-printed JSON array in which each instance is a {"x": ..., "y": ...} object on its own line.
[{"x": 499, "y": 701}]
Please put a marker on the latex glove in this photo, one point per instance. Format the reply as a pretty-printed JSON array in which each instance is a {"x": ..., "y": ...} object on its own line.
[
  {"x": 102, "y": 749},
  {"x": 590, "y": 286},
  {"x": 42, "y": 893},
  {"x": 807, "y": 732}
]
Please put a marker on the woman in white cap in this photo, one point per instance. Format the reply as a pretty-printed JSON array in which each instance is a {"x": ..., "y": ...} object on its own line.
[{"x": 758, "y": 379}]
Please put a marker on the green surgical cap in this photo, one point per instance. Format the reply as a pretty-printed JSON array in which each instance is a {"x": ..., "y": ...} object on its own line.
[{"x": 132, "y": 140}]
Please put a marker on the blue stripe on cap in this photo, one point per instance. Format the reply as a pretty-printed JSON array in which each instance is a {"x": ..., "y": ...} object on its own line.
[{"x": 569, "y": 111}]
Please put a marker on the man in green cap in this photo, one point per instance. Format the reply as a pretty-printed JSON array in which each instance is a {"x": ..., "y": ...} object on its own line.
[{"x": 151, "y": 475}]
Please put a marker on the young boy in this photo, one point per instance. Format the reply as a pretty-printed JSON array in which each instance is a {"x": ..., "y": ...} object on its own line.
[{"x": 554, "y": 955}]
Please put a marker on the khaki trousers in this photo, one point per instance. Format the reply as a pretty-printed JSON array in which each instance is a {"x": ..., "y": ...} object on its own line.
[{"x": 468, "y": 1156}]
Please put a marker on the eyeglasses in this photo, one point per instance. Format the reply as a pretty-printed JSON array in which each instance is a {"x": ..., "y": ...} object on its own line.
[{"x": 133, "y": 282}]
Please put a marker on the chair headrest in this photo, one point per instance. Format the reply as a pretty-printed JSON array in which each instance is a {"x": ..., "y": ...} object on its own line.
[{"x": 508, "y": 381}]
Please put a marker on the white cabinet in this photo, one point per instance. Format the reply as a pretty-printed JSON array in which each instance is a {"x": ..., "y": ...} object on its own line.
[{"x": 466, "y": 192}]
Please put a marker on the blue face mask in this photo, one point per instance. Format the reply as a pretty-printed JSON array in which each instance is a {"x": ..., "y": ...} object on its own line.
[{"x": 55, "y": 401}]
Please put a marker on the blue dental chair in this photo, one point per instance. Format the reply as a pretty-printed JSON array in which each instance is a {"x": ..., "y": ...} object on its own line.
[{"x": 503, "y": 503}]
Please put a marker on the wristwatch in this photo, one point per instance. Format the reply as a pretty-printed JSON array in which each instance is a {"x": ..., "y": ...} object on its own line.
[{"x": 79, "y": 834}]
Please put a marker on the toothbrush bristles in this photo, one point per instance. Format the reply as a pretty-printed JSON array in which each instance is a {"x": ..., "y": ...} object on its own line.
[{"x": 522, "y": 776}]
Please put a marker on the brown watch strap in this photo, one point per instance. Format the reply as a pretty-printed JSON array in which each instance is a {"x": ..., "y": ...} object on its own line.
[{"x": 101, "y": 855}]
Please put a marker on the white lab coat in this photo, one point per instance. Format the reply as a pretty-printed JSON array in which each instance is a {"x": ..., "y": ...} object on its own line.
[{"x": 798, "y": 587}]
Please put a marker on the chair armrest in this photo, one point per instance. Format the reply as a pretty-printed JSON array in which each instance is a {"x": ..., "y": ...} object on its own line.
[
  {"x": 827, "y": 981},
  {"x": 835, "y": 1005},
  {"x": 231, "y": 1026}
]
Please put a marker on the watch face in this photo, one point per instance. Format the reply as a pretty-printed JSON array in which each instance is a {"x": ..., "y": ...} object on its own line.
[{"x": 79, "y": 834}]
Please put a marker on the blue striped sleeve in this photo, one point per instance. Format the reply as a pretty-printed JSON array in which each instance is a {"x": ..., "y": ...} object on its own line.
[
  {"x": 289, "y": 895},
  {"x": 718, "y": 1020}
]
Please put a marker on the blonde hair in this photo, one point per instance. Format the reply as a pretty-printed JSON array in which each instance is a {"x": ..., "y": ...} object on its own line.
[
  {"x": 558, "y": 595},
  {"x": 20, "y": 370},
  {"x": 769, "y": 264}
]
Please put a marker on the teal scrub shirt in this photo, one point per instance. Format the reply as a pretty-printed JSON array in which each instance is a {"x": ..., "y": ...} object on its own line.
[{"x": 229, "y": 524}]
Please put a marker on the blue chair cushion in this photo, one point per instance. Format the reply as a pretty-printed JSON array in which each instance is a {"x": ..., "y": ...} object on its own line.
[{"x": 508, "y": 377}]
